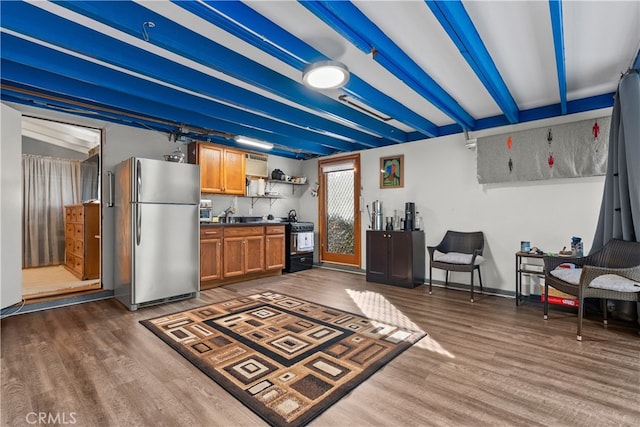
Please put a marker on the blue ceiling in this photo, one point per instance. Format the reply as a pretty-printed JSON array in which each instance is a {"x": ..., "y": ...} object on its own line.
[{"x": 210, "y": 70}]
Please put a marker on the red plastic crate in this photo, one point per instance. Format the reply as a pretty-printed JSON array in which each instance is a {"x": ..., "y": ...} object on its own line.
[{"x": 569, "y": 302}]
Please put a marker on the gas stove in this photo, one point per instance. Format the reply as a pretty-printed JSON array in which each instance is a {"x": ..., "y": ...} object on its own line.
[
  {"x": 298, "y": 227},
  {"x": 298, "y": 246}
]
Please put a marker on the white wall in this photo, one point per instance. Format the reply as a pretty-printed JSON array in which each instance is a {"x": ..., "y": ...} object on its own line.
[
  {"x": 10, "y": 207},
  {"x": 440, "y": 177}
]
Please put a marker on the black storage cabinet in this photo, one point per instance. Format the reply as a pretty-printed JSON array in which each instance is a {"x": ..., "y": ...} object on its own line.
[{"x": 396, "y": 258}]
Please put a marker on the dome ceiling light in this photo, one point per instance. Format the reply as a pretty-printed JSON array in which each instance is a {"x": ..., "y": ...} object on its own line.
[{"x": 325, "y": 75}]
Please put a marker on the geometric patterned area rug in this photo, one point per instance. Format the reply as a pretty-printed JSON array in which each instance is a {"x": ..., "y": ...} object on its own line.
[{"x": 285, "y": 358}]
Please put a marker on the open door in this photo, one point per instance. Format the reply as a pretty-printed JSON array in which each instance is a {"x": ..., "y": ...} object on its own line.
[{"x": 10, "y": 202}]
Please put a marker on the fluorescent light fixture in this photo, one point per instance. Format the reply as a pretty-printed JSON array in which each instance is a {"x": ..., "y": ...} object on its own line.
[
  {"x": 253, "y": 142},
  {"x": 325, "y": 75}
]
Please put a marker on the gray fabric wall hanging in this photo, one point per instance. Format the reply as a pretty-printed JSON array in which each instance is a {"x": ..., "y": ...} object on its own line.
[{"x": 562, "y": 151}]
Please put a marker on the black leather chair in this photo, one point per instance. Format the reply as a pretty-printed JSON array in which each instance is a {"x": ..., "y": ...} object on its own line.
[{"x": 460, "y": 251}]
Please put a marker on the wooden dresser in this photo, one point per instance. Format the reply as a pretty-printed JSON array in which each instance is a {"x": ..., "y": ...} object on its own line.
[{"x": 82, "y": 240}]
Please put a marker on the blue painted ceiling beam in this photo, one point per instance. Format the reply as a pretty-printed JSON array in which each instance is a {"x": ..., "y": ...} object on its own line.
[
  {"x": 28, "y": 95},
  {"x": 83, "y": 40},
  {"x": 573, "y": 107},
  {"x": 456, "y": 21},
  {"x": 128, "y": 16},
  {"x": 245, "y": 23},
  {"x": 58, "y": 92},
  {"x": 53, "y": 102},
  {"x": 220, "y": 117},
  {"x": 557, "y": 26},
  {"x": 346, "y": 19}
]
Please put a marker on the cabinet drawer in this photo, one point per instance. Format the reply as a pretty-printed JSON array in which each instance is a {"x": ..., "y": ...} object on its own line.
[
  {"x": 78, "y": 247},
  {"x": 274, "y": 229},
  {"x": 80, "y": 214},
  {"x": 69, "y": 245},
  {"x": 209, "y": 232},
  {"x": 69, "y": 260},
  {"x": 69, "y": 231},
  {"x": 78, "y": 231},
  {"x": 243, "y": 231},
  {"x": 77, "y": 264}
]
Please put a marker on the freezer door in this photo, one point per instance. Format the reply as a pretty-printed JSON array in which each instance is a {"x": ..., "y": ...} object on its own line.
[
  {"x": 166, "y": 251},
  {"x": 156, "y": 181}
]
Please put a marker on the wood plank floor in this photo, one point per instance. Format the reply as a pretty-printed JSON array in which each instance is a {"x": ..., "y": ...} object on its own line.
[{"x": 486, "y": 363}]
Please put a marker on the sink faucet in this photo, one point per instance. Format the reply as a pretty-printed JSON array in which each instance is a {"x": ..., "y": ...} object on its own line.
[{"x": 230, "y": 210}]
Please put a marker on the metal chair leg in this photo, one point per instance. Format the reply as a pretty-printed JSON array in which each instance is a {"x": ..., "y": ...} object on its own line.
[
  {"x": 430, "y": 278},
  {"x": 471, "y": 285},
  {"x": 546, "y": 300},
  {"x": 580, "y": 313},
  {"x": 605, "y": 312},
  {"x": 480, "y": 277}
]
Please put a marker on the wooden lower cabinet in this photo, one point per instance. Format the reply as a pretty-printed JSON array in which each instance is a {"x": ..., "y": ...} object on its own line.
[
  {"x": 243, "y": 251},
  {"x": 274, "y": 252},
  {"x": 231, "y": 254},
  {"x": 210, "y": 254},
  {"x": 396, "y": 257}
]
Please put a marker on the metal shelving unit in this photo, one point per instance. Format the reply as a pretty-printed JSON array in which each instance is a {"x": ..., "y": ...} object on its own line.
[{"x": 272, "y": 198}]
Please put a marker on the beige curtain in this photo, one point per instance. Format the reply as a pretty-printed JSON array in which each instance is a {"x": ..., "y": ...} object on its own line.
[{"x": 48, "y": 185}]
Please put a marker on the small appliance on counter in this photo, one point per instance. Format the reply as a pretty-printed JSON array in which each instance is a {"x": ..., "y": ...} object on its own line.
[
  {"x": 376, "y": 215},
  {"x": 206, "y": 210},
  {"x": 409, "y": 216}
]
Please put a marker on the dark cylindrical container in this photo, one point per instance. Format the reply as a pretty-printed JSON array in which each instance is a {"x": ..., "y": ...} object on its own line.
[{"x": 409, "y": 216}]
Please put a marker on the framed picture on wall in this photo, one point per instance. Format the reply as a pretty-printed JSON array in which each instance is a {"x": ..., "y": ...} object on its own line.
[{"x": 392, "y": 171}]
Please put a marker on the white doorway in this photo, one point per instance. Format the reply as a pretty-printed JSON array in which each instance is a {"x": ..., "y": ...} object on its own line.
[{"x": 60, "y": 177}]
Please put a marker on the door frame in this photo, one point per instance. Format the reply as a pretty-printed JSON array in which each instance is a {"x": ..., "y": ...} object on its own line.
[{"x": 341, "y": 259}]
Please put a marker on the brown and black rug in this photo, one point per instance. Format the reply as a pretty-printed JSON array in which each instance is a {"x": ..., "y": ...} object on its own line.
[{"x": 285, "y": 358}]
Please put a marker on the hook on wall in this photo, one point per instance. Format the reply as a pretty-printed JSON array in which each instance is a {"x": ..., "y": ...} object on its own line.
[{"x": 145, "y": 32}]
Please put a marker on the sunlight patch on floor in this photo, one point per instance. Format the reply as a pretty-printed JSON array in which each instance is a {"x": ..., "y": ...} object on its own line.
[{"x": 377, "y": 307}]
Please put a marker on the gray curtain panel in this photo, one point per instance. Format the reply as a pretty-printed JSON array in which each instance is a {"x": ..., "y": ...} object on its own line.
[{"x": 620, "y": 209}]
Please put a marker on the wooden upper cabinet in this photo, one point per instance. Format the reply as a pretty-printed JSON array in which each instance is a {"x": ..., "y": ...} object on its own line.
[
  {"x": 209, "y": 158},
  {"x": 222, "y": 170},
  {"x": 234, "y": 172}
]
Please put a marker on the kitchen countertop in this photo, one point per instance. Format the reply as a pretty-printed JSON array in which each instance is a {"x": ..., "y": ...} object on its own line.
[{"x": 241, "y": 224}]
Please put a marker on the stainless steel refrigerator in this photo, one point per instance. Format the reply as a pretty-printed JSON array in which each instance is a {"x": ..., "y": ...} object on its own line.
[{"x": 157, "y": 249}]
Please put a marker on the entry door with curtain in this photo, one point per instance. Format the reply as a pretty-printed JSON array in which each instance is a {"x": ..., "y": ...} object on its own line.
[
  {"x": 339, "y": 223},
  {"x": 48, "y": 185}
]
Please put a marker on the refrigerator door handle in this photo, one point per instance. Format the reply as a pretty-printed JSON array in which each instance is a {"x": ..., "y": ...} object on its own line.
[
  {"x": 138, "y": 181},
  {"x": 110, "y": 178},
  {"x": 136, "y": 206}
]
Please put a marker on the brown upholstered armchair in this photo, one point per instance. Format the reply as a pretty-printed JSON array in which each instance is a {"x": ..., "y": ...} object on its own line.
[
  {"x": 460, "y": 251},
  {"x": 613, "y": 272}
]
